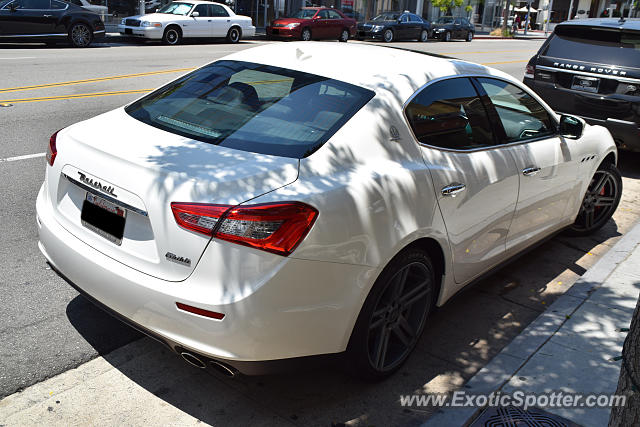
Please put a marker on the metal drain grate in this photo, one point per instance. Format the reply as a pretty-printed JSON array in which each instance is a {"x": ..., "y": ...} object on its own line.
[{"x": 510, "y": 416}]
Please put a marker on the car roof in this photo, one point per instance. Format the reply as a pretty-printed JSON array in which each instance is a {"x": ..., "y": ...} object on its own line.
[
  {"x": 373, "y": 67},
  {"x": 627, "y": 24}
]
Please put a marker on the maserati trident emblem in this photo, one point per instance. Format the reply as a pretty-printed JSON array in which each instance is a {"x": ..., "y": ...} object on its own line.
[
  {"x": 178, "y": 259},
  {"x": 96, "y": 184}
]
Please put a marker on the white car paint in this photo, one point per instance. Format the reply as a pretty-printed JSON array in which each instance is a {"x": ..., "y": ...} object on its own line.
[
  {"x": 376, "y": 190},
  {"x": 190, "y": 25}
]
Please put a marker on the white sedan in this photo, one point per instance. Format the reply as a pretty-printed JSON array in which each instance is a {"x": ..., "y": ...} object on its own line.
[
  {"x": 272, "y": 205},
  {"x": 189, "y": 19}
]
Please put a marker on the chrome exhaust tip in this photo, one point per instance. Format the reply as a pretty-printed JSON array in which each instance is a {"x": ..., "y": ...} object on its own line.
[
  {"x": 193, "y": 360},
  {"x": 225, "y": 370}
]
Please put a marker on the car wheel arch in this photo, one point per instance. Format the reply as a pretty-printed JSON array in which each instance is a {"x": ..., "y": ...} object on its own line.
[{"x": 236, "y": 27}]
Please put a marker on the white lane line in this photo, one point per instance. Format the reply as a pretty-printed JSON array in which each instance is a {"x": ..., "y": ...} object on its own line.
[
  {"x": 25, "y": 157},
  {"x": 20, "y": 57}
]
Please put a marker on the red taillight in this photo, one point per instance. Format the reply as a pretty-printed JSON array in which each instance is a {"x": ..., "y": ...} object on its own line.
[
  {"x": 200, "y": 311},
  {"x": 272, "y": 227},
  {"x": 531, "y": 69},
  {"x": 52, "y": 150}
]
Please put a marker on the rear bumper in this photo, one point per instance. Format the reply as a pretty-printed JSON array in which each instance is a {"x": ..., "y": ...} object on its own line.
[
  {"x": 295, "y": 309},
  {"x": 618, "y": 115}
]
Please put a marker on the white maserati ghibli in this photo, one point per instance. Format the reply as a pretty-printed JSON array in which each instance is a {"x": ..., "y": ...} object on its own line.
[
  {"x": 188, "y": 19},
  {"x": 302, "y": 199}
]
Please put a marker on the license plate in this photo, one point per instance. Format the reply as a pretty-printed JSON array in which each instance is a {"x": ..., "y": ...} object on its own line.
[
  {"x": 274, "y": 31},
  {"x": 128, "y": 31},
  {"x": 103, "y": 218},
  {"x": 586, "y": 84}
]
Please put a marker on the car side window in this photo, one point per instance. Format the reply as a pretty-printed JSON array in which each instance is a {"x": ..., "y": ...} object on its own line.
[
  {"x": 76, "y": 2},
  {"x": 415, "y": 18},
  {"x": 450, "y": 114},
  {"x": 58, "y": 5},
  {"x": 334, "y": 15},
  {"x": 203, "y": 10},
  {"x": 404, "y": 18},
  {"x": 32, "y": 4},
  {"x": 218, "y": 11},
  {"x": 457, "y": 21},
  {"x": 521, "y": 115},
  {"x": 323, "y": 14}
]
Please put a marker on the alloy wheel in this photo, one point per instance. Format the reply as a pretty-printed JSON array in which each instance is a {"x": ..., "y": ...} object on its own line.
[
  {"x": 234, "y": 35},
  {"x": 447, "y": 36},
  {"x": 599, "y": 202},
  {"x": 398, "y": 316},
  {"x": 344, "y": 36},
  {"x": 306, "y": 35},
  {"x": 80, "y": 35},
  {"x": 469, "y": 36},
  {"x": 172, "y": 36},
  {"x": 388, "y": 36},
  {"x": 424, "y": 35}
]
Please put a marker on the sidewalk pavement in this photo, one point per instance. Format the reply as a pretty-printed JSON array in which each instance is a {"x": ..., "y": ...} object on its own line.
[{"x": 571, "y": 345}]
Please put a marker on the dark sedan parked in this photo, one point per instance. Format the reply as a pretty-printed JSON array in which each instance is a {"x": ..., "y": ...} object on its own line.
[
  {"x": 390, "y": 26},
  {"x": 313, "y": 23},
  {"x": 48, "y": 21},
  {"x": 448, "y": 27}
]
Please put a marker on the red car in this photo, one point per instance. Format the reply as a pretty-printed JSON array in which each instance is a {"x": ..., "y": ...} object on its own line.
[{"x": 313, "y": 23}]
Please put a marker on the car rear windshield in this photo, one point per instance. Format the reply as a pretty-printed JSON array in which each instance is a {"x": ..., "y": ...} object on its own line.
[
  {"x": 253, "y": 107},
  {"x": 596, "y": 45}
]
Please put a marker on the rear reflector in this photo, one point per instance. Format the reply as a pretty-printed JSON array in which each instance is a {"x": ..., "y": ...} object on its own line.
[
  {"x": 52, "y": 149},
  {"x": 200, "y": 311},
  {"x": 272, "y": 227}
]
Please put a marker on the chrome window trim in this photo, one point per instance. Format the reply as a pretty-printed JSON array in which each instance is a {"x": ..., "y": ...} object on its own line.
[
  {"x": 519, "y": 85},
  {"x": 586, "y": 73},
  {"x": 105, "y": 196},
  {"x": 66, "y": 6}
]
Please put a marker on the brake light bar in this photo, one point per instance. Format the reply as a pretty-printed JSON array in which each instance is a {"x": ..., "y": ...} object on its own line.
[{"x": 272, "y": 227}]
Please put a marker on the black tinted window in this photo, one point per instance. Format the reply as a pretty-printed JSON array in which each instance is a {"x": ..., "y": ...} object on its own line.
[
  {"x": 218, "y": 11},
  {"x": 415, "y": 18},
  {"x": 600, "y": 46},
  {"x": 323, "y": 14},
  {"x": 32, "y": 4},
  {"x": 58, "y": 5},
  {"x": 253, "y": 107},
  {"x": 203, "y": 10},
  {"x": 334, "y": 15},
  {"x": 522, "y": 116},
  {"x": 449, "y": 114}
]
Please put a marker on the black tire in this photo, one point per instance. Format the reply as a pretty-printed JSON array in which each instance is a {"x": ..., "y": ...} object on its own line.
[
  {"x": 388, "y": 35},
  {"x": 393, "y": 316},
  {"x": 234, "y": 35},
  {"x": 600, "y": 201},
  {"x": 469, "y": 36},
  {"x": 424, "y": 36},
  {"x": 305, "y": 35},
  {"x": 447, "y": 36},
  {"x": 172, "y": 36},
  {"x": 344, "y": 36},
  {"x": 80, "y": 35}
]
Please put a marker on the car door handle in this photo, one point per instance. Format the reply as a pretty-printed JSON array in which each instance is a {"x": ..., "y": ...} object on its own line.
[
  {"x": 453, "y": 189},
  {"x": 530, "y": 171},
  {"x": 47, "y": 16}
]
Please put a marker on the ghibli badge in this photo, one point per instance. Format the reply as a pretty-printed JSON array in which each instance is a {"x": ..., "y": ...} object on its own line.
[{"x": 178, "y": 259}]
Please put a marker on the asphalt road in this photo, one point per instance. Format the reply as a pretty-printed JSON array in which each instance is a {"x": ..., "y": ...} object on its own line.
[{"x": 46, "y": 328}]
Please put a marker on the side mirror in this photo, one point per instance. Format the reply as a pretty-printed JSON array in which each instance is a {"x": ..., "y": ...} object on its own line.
[
  {"x": 571, "y": 127},
  {"x": 195, "y": 14}
]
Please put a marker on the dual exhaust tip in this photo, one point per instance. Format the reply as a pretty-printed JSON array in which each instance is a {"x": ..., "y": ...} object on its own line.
[{"x": 199, "y": 362}]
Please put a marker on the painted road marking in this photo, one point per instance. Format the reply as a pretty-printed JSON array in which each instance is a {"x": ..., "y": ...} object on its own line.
[
  {"x": 97, "y": 79},
  {"x": 25, "y": 157},
  {"x": 80, "y": 95}
]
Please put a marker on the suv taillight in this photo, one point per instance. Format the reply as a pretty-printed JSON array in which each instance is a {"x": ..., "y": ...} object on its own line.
[
  {"x": 530, "y": 71},
  {"x": 272, "y": 227},
  {"x": 52, "y": 150}
]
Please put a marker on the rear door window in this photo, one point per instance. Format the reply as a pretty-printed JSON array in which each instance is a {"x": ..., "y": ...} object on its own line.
[
  {"x": 450, "y": 114},
  {"x": 253, "y": 107},
  {"x": 521, "y": 115},
  {"x": 595, "y": 45}
]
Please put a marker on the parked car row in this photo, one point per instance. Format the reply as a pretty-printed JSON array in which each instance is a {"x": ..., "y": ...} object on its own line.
[{"x": 80, "y": 22}]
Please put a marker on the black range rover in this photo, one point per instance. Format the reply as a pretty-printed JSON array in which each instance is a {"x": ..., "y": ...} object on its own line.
[{"x": 591, "y": 68}]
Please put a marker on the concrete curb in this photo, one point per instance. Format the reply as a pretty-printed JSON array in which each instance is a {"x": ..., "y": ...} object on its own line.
[{"x": 498, "y": 372}]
